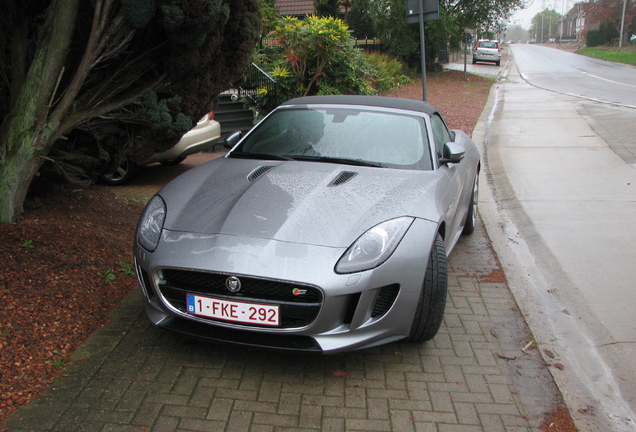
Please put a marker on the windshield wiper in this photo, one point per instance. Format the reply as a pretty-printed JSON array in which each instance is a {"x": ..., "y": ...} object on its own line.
[
  {"x": 267, "y": 156},
  {"x": 344, "y": 161}
]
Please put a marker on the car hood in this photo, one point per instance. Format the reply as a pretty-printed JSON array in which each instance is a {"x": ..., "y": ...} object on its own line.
[{"x": 300, "y": 202}]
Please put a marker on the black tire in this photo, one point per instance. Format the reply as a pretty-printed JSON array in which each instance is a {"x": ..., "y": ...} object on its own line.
[
  {"x": 173, "y": 162},
  {"x": 498, "y": 63},
  {"x": 432, "y": 302},
  {"x": 474, "y": 61},
  {"x": 471, "y": 215},
  {"x": 120, "y": 174}
]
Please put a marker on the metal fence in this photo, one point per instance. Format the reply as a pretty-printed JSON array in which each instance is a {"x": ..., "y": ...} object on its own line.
[{"x": 256, "y": 79}]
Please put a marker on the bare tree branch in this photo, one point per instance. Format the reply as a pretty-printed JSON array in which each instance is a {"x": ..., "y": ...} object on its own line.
[
  {"x": 110, "y": 105},
  {"x": 101, "y": 14}
]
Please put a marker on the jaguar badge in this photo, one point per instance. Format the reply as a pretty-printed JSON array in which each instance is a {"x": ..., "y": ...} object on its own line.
[{"x": 233, "y": 284}]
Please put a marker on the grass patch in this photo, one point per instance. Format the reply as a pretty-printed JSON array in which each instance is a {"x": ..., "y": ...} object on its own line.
[{"x": 626, "y": 55}]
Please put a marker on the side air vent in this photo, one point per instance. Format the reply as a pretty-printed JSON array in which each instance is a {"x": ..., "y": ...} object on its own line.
[
  {"x": 385, "y": 300},
  {"x": 343, "y": 177},
  {"x": 254, "y": 175}
]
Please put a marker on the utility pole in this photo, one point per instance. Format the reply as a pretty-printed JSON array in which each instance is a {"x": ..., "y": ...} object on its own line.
[
  {"x": 620, "y": 38},
  {"x": 550, "y": 23},
  {"x": 542, "y": 18}
]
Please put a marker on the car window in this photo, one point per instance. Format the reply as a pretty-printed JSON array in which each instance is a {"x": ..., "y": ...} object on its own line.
[
  {"x": 386, "y": 138},
  {"x": 440, "y": 133},
  {"x": 488, "y": 44}
]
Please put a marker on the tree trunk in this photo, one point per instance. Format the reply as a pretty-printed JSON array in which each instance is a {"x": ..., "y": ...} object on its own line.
[{"x": 27, "y": 127}]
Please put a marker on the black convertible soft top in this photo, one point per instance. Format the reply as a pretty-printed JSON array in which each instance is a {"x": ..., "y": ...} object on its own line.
[{"x": 376, "y": 101}]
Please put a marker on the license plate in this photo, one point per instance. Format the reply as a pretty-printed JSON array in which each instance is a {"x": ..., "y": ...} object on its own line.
[{"x": 234, "y": 311}]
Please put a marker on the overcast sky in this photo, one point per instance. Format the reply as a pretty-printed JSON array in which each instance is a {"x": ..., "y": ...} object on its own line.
[{"x": 524, "y": 16}]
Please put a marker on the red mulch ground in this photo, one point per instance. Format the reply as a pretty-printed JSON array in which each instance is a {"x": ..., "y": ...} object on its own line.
[
  {"x": 68, "y": 263},
  {"x": 62, "y": 270},
  {"x": 460, "y": 101}
]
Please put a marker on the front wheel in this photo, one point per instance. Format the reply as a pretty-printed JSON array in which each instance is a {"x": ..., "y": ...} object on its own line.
[
  {"x": 119, "y": 173},
  {"x": 432, "y": 302},
  {"x": 471, "y": 215}
]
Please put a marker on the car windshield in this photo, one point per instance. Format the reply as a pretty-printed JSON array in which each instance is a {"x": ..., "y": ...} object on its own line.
[
  {"x": 340, "y": 135},
  {"x": 488, "y": 44}
]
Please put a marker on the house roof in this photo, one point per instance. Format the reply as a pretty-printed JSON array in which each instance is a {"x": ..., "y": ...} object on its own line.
[{"x": 295, "y": 7}]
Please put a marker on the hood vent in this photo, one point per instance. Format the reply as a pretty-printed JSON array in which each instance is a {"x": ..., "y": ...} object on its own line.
[
  {"x": 254, "y": 175},
  {"x": 343, "y": 177}
]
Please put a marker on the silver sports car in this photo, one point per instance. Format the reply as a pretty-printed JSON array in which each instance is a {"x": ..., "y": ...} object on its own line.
[{"x": 326, "y": 228}]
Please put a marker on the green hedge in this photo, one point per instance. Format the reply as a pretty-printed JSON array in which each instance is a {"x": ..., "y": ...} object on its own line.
[{"x": 595, "y": 38}]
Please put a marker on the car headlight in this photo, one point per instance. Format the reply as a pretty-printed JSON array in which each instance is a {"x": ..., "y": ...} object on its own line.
[
  {"x": 151, "y": 224},
  {"x": 374, "y": 246}
]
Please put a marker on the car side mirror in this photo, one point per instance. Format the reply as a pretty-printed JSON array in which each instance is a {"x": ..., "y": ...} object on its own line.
[
  {"x": 453, "y": 153},
  {"x": 232, "y": 139}
]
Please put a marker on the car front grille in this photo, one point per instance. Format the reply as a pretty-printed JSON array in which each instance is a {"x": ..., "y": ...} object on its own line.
[{"x": 299, "y": 304}]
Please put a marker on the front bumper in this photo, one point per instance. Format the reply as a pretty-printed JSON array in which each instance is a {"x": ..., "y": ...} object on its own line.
[
  {"x": 354, "y": 311},
  {"x": 200, "y": 138}
]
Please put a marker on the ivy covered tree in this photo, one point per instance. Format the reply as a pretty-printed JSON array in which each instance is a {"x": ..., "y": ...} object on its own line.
[
  {"x": 122, "y": 75},
  {"x": 269, "y": 15}
]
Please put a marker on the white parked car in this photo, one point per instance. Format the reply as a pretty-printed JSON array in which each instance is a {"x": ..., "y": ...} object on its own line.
[
  {"x": 201, "y": 137},
  {"x": 487, "y": 51}
]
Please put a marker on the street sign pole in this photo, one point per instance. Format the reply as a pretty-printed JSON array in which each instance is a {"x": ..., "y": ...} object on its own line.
[
  {"x": 467, "y": 39},
  {"x": 423, "y": 49},
  {"x": 465, "y": 58},
  {"x": 421, "y": 11}
]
